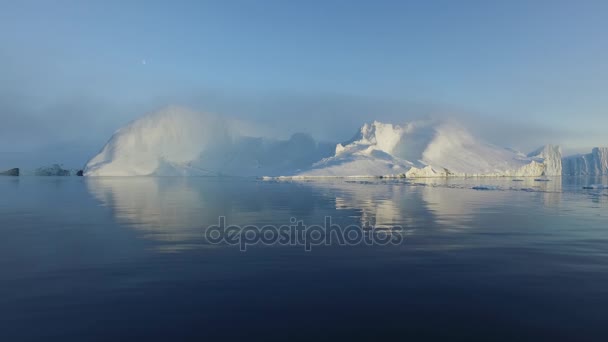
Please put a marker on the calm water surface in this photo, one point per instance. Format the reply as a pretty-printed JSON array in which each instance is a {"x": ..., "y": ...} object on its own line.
[{"x": 126, "y": 258}]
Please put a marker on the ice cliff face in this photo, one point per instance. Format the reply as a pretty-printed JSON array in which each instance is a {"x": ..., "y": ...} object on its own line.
[
  {"x": 383, "y": 137},
  {"x": 551, "y": 157},
  {"x": 591, "y": 164},
  {"x": 177, "y": 141}
]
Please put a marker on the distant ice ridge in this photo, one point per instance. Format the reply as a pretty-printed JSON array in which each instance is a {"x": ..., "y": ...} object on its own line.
[
  {"x": 49, "y": 170},
  {"x": 591, "y": 164},
  {"x": 178, "y": 141},
  {"x": 430, "y": 149}
]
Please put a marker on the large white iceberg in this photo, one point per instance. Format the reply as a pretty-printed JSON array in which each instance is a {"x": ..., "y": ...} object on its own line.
[
  {"x": 591, "y": 164},
  {"x": 430, "y": 149},
  {"x": 178, "y": 141}
]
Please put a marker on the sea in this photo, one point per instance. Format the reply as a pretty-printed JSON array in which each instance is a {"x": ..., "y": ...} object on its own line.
[{"x": 243, "y": 259}]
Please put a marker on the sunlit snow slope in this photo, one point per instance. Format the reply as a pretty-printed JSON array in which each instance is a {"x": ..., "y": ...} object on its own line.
[
  {"x": 430, "y": 149},
  {"x": 177, "y": 141}
]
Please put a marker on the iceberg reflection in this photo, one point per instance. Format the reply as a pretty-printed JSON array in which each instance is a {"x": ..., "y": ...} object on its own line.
[{"x": 176, "y": 211}]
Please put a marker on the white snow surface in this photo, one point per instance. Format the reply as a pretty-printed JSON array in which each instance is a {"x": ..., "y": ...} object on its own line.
[
  {"x": 178, "y": 141},
  {"x": 164, "y": 143},
  {"x": 430, "y": 149}
]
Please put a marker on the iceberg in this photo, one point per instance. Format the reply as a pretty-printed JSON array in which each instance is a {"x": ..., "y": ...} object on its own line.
[
  {"x": 176, "y": 141},
  {"x": 591, "y": 164},
  {"x": 53, "y": 170},
  {"x": 551, "y": 157},
  {"x": 485, "y": 187},
  {"x": 430, "y": 149},
  {"x": 596, "y": 187},
  {"x": 11, "y": 172}
]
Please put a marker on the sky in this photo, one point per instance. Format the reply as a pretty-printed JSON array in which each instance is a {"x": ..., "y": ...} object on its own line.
[{"x": 519, "y": 73}]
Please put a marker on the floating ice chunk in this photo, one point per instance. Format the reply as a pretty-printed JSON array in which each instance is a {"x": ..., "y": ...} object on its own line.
[
  {"x": 486, "y": 187},
  {"x": 596, "y": 187}
]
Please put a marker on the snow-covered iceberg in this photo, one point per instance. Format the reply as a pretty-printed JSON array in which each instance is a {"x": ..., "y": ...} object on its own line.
[
  {"x": 591, "y": 164},
  {"x": 430, "y": 149},
  {"x": 178, "y": 141}
]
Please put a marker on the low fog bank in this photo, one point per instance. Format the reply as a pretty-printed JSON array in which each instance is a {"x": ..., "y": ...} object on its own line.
[{"x": 69, "y": 131}]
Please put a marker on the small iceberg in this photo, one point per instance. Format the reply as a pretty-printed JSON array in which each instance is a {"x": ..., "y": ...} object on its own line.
[
  {"x": 11, "y": 172},
  {"x": 53, "y": 170},
  {"x": 596, "y": 187},
  {"x": 485, "y": 187}
]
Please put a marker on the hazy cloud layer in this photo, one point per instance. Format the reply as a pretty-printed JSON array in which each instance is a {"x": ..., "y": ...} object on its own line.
[{"x": 70, "y": 130}]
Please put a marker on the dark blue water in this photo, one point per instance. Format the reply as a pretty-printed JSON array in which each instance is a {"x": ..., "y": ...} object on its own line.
[{"x": 126, "y": 258}]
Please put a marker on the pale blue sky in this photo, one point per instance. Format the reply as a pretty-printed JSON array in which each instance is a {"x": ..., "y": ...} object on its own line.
[{"x": 71, "y": 72}]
